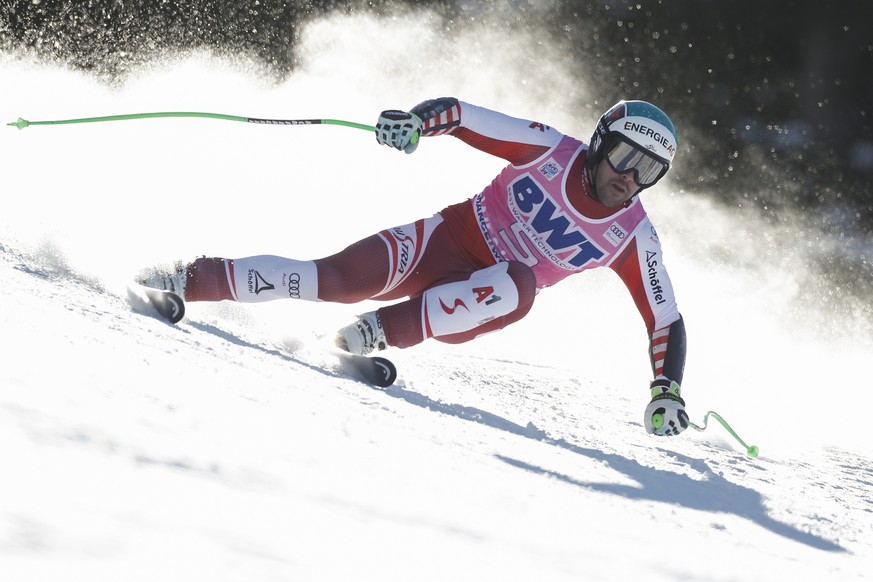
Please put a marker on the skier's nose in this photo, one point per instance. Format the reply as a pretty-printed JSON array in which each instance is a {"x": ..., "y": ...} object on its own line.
[{"x": 629, "y": 177}]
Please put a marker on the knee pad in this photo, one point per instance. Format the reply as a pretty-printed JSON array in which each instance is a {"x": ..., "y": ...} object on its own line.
[{"x": 464, "y": 305}]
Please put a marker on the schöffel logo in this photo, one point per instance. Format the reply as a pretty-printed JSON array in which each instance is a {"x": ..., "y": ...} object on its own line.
[
  {"x": 258, "y": 283},
  {"x": 654, "y": 282},
  {"x": 543, "y": 216}
]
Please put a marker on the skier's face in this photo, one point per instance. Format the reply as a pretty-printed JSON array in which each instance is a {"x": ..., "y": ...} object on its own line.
[{"x": 614, "y": 189}]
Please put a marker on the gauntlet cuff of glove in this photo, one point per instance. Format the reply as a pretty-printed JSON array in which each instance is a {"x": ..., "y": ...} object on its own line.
[{"x": 663, "y": 388}]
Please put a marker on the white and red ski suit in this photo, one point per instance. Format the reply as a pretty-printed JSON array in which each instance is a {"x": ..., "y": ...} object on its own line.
[{"x": 476, "y": 266}]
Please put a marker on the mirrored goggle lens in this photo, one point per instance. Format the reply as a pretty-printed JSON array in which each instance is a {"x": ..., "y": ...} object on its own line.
[{"x": 623, "y": 157}]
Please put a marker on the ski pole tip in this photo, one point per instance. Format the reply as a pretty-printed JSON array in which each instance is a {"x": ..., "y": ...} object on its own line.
[
  {"x": 752, "y": 451},
  {"x": 20, "y": 124}
]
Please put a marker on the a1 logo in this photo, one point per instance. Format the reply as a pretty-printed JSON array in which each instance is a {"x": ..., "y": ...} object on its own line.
[{"x": 486, "y": 294}]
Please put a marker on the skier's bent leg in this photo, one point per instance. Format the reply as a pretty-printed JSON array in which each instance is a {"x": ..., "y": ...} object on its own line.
[
  {"x": 458, "y": 311},
  {"x": 251, "y": 279},
  {"x": 358, "y": 272}
]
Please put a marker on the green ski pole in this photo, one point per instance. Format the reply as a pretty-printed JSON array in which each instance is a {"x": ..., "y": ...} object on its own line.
[
  {"x": 752, "y": 450},
  {"x": 22, "y": 123}
]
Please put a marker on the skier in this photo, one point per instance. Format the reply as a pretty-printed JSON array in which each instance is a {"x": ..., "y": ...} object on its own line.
[{"x": 560, "y": 207}]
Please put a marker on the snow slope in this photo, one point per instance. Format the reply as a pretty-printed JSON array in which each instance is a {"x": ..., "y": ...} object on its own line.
[{"x": 227, "y": 448}]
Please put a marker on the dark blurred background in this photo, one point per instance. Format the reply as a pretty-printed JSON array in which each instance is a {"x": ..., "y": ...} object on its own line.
[{"x": 775, "y": 98}]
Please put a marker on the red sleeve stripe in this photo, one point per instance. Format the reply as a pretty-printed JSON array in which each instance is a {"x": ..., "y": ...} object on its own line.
[
  {"x": 658, "y": 366},
  {"x": 661, "y": 333},
  {"x": 659, "y": 349},
  {"x": 445, "y": 122}
]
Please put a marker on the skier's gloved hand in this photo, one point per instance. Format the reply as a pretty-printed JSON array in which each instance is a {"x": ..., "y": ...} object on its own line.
[
  {"x": 399, "y": 130},
  {"x": 665, "y": 415}
]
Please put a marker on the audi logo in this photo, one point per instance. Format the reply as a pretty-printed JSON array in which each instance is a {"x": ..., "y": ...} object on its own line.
[{"x": 294, "y": 285}]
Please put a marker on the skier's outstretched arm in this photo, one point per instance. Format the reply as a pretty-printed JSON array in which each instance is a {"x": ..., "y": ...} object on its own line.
[
  {"x": 516, "y": 140},
  {"x": 641, "y": 267}
]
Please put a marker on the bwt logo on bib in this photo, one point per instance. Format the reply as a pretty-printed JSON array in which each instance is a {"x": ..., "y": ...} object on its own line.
[{"x": 551, "y": 223}]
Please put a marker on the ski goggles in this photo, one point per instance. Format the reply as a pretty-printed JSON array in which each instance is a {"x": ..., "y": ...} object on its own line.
[{"x": 624, "y": 156}]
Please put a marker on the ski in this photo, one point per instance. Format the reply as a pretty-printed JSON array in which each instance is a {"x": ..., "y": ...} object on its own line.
[
  {"x": 374, "y": 370},
  {"x": 170, "y": 307},
  {"x": 164, "y": 304}
]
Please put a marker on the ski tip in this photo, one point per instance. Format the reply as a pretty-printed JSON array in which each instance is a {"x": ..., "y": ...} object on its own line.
[
  {"x": 173, "y": 308},
  {"x": 386, "y": 371},
  {"x": 373, "y": 370},
  {"x": 164, "y": 304}
]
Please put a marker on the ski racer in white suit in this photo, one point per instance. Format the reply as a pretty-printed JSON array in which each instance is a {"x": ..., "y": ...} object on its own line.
[{"x": 559, "y": 208}]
